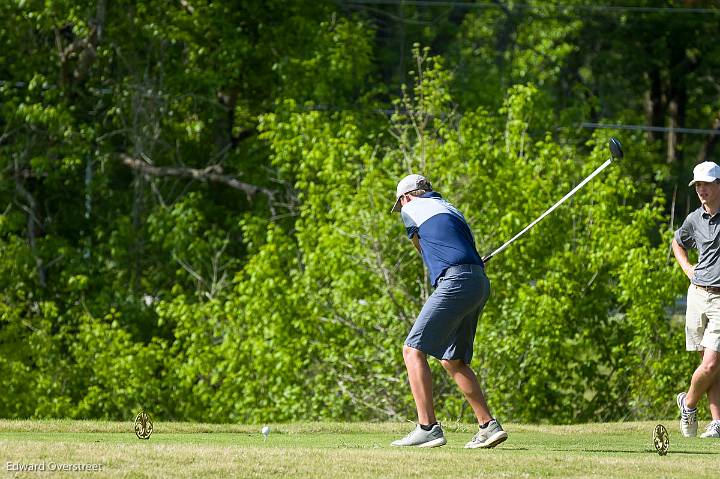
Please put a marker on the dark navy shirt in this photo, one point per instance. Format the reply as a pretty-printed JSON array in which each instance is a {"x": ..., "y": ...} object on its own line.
[
  {"x": 444, "y": 235},
  {"x": 702, "y": 232}
]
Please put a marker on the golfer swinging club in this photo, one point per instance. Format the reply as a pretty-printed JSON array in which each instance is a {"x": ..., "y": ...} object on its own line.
[
  {"x": 701, "y": 231},
  {"x": 445, "y": 328}
]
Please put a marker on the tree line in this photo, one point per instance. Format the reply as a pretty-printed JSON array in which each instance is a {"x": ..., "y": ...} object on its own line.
[{"x": 195, "y": 202}]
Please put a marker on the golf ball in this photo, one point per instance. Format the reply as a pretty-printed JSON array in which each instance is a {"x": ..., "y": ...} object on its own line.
[{"x": 265, "y": 430}]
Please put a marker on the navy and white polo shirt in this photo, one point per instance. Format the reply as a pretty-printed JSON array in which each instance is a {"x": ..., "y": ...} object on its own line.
[{"x": 444, "y": 235}]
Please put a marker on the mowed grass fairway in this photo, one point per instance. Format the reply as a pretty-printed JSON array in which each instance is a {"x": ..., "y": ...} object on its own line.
[{"x": 347, "y": 450}]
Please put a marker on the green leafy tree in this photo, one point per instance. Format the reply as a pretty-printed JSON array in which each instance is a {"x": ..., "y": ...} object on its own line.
[{"x": 194, "y": 206}]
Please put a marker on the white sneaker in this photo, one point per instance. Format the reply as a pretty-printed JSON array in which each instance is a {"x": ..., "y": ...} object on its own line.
[
  {"x": 688, "y": 420},
  {"x": 418, "y": 437},
  {"x": 712, "y": 429},
  {"x": 489, "y": 437}
]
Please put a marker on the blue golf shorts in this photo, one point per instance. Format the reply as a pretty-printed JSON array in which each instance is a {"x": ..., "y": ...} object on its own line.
[{"x": 445, "y": 327}]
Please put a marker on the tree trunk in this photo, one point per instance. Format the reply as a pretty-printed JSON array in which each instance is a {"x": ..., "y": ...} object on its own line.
[
  {"x": 708, "y": 147},
  {"x": 136, "y": 248},
  {"x": 676, "y": 119},
  {"x": 654, "y": 105},
  {"x": 31, "y": 209}
]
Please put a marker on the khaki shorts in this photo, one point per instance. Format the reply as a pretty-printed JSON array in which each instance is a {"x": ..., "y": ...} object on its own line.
[{"x": 702, "y": 320}]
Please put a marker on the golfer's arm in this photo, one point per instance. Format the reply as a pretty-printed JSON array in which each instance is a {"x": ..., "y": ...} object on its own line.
[
  {"x": 681, "y": 255},
  {"x": 416, "y": 243}
]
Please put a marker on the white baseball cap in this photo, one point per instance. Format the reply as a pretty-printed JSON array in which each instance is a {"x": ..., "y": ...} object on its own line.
[
  {"x": 406, "y": 185},
  {"x": 706, "y": 171}
]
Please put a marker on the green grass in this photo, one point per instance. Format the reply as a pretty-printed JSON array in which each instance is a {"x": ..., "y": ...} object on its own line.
[{"x": 347, "y": 450}]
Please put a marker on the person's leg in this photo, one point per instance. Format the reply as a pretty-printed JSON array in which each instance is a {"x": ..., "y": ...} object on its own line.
[
  {"x": 705, "y": 333},
  {"x": 714, "y": 398},
  {"x": 420, "y": 383},
  {"x": 490, "y": 433},
  {"x": 472, "y": 292},
  {"x": 421, "y": 387},
  {"x": 695, "y": 323},
  {"x": 470, "y": 387},
  {"x": 713, "y": 392},
  {"x": 711, "y": 343},
  {"x": 704, "y": 378},
  {"x": 713, "y": 429},
  {"x": 432, "y": 331}
]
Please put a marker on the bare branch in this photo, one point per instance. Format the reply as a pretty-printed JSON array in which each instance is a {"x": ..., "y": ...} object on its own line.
[
  {"x": 212, "y": 173},
  {"x": 186, "y": 5},
  {"x": 190, "y": 270}
]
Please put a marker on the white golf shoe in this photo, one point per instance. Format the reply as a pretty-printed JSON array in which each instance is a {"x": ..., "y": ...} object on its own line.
[
  {"x": 488, "y": 437},
  {"x": 418, "y": 437},
  {"x": 688, "y": 419},
  {"x": 712, "y": 430}
]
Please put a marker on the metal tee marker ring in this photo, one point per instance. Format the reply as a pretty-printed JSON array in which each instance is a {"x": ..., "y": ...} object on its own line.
[
  {"x": 143, "y": 425},
  {"x": 661, "y": 439}
]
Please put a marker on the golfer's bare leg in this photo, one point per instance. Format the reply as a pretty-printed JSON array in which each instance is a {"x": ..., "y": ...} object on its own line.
[
  {"x": 420, "y": 383},
  {"x": 714, "y": 397},
  {"x": 470, "y": 387},
  {"x": 704, "y": 378}
]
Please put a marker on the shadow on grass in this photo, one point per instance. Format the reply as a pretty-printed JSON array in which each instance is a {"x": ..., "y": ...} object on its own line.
[
  {"x": 691, "y": 452},
  {"x": 626, "y": 451}
]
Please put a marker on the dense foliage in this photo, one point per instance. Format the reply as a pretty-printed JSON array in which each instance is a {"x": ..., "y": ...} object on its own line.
[{"x": 195, "y": 203}]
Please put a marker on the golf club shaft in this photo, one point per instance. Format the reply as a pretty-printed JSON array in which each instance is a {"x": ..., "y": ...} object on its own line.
[{"x": 550, "y": 210}]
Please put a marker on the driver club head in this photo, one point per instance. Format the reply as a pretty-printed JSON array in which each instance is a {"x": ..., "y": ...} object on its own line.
[{"x": 615, "y": 148}]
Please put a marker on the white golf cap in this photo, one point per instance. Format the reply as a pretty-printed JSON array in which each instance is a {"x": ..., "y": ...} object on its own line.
[
  {"x": 406, "y": 185},
  {"x": 706, "y": 171}
]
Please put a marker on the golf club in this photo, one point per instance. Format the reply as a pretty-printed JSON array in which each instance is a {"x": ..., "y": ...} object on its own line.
[{"x": 615, "y": 152}]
